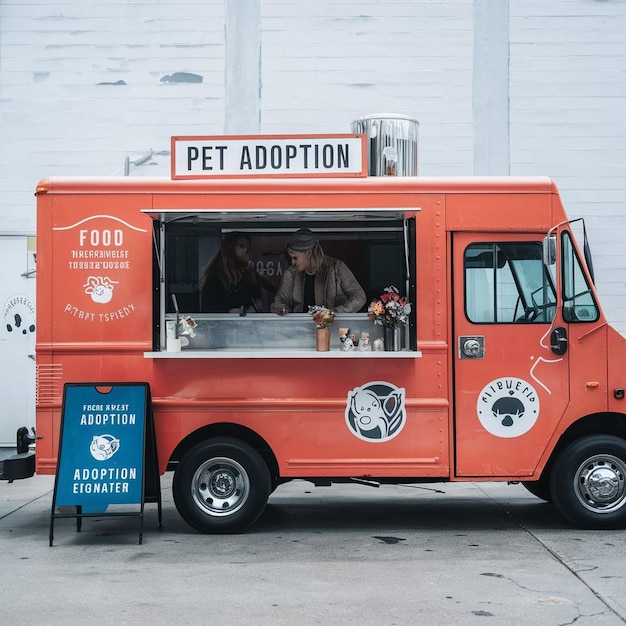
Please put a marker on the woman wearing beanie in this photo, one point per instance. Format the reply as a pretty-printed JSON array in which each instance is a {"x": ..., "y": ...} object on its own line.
[{"x": 316, "y": 279}]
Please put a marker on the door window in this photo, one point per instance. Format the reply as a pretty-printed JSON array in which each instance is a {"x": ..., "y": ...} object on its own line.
[
  {"x": 507, "y": 283},
  {"x": 578, "y": 302}
]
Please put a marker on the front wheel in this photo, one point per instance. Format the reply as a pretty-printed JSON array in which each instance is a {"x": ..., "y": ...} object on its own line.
[
  {"x": 588, "y": 482},
  {"x": 221, "y": 486},
  {"x": 539, "y": 488}
]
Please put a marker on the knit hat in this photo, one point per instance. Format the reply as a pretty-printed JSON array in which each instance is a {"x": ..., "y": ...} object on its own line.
[{"x": 301, "y": 240}]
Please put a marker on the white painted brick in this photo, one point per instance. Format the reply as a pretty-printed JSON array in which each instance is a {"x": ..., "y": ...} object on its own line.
[{"x": 323, "y": 64}]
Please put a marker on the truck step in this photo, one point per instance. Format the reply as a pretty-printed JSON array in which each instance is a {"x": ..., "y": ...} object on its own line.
[{"x": 18, "y": 466}]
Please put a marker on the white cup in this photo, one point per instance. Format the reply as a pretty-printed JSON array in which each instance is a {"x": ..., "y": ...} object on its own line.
[{"x": 172, "y": 344}]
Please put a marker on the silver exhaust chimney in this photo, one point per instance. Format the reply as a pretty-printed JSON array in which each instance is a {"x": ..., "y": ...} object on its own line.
[{"x": 392, "y": 142}]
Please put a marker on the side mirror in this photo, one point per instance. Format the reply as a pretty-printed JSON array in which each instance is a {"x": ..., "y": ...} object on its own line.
[{"x": 549, "y": 250}]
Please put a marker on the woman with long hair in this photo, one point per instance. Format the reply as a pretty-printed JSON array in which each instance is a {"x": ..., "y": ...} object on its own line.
[{"x": 228, "y": 284}]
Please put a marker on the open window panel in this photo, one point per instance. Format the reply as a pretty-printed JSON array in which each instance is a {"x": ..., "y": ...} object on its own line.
[{"x": 378, "y": 245}]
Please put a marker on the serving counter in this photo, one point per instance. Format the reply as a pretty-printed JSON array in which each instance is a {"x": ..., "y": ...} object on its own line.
[{"x": 269, "y": 336}]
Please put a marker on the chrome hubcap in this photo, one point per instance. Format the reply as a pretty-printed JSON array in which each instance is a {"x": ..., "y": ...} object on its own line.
[
  {"x": 601, "y": 483},
  {"x": 220, "y": 486}
]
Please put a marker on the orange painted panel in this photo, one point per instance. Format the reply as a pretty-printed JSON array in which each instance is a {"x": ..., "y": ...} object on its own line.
[
  {"x": 95, "y": 299},
  {"x": 505, "y": 212}
]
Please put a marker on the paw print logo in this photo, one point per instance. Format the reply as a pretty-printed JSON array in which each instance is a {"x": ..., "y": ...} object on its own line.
[
  {"x": 100, "y": 288},
  {"x": 19, "y": 316},
  {"x": 18, "y": 326}
]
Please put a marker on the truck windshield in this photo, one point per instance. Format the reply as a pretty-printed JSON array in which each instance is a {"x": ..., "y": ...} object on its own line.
[{"x": 507, "y": 283}]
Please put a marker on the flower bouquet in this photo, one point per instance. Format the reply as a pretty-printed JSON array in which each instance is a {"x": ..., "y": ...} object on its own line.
[
  {"x": 322, "y": 316},
  {"x": 389, "y": 310}
]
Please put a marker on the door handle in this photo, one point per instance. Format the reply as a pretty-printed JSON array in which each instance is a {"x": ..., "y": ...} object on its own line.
[
  {"x": 471, "y": 347},
  {"x": 558, "y": 340}
]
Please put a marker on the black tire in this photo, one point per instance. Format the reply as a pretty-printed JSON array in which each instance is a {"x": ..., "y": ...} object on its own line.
[
  {"x": 539, "y": 488},
  {"x": 221, "y": 486},
  {"x": 588, "y": 482}
]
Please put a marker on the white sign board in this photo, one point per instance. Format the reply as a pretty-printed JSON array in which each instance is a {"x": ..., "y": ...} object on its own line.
[{"x": 269, "y": 155}]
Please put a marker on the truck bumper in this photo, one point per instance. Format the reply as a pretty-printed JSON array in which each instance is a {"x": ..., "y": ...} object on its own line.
[{"x": 18, "y": 466}]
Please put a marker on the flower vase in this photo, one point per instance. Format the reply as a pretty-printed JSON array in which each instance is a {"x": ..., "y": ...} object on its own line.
[
  {"x": 322, "y": 339},
  {"x": 393, "y": 339}
]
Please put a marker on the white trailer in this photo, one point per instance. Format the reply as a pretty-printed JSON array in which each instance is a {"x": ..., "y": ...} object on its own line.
[{"x": 17, "y": 336}]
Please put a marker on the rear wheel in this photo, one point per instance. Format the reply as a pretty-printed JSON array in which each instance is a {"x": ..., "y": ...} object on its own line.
[
  {"x": 221, "y": 486},
  {"x": 588, "y": 482}
]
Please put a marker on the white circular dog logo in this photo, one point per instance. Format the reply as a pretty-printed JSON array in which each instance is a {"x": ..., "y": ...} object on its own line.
[
  {"x": 375, "y": 412},
  {"x": 103, "y": 447},
  {"x": 508, "y": 407}
]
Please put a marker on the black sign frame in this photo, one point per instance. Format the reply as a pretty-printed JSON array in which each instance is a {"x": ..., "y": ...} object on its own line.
[{"x": 107, "y": 453}]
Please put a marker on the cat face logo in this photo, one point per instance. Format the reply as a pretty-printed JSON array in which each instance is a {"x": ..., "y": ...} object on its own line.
[
  {"x": 375, "y": 412},
  {"x": 103, "y": 447}
]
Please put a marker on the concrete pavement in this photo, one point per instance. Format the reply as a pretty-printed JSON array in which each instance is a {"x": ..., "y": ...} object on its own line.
[{"x": 474, "y": 553}]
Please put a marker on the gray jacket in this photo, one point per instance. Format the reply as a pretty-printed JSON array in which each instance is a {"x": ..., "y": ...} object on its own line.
[{"x": 335, "y": 287}]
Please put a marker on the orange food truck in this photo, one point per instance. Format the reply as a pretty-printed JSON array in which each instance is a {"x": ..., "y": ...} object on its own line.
[{"x": 505, "y": 370}]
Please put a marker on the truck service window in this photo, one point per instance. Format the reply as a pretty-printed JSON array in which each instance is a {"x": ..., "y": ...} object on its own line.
[
  {"x": 376, "y": 256},
  {"x": 377, "y": 245},
  {"x": 507, "y": 283}
]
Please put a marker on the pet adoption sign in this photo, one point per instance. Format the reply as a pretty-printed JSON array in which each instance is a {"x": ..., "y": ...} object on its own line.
[
  {"x": 234, "y": 156},
  {"x": 101, "y": 452}
]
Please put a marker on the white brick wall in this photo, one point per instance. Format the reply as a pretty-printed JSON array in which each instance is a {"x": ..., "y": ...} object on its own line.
[
  {"x": 326, "y": 63},
  {"x": 320, "y": 66},
  {"x": 57, "y": 120},
  {"x": 568, "y": 120}
]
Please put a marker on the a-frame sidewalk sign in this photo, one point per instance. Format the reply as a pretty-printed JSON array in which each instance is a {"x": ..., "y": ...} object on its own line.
[{"x": 108, "y": 462}]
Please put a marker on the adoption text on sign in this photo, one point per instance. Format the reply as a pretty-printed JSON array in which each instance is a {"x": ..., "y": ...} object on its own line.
[{"x": 268, "y": 155}]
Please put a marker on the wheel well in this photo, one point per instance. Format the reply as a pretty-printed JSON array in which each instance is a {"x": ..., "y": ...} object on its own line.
[
  {"x": 226, "y": 430},
  {"x": 594, "y": 424}
]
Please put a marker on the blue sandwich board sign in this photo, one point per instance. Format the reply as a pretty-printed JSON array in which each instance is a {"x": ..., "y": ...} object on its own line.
[{"x": 107, "y": 452}]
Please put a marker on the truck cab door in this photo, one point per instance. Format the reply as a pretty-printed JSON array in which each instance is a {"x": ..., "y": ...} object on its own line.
[{"x": 511, "y": 359}]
